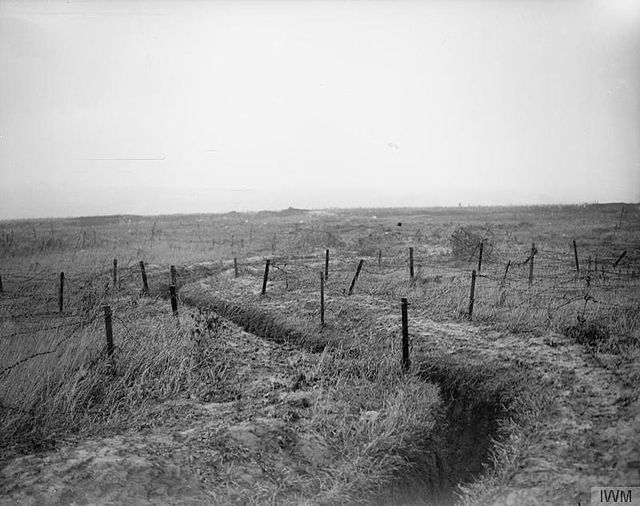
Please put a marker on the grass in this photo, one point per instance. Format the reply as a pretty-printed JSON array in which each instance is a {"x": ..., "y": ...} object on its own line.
[{"x": 70, "y": 389}]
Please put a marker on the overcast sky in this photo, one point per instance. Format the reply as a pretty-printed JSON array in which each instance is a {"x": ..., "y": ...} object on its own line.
[{"x": 164, "y": 107}]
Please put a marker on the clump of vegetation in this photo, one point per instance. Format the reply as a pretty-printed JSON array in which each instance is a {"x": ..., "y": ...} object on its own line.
[{"x": 591, "y": 333}]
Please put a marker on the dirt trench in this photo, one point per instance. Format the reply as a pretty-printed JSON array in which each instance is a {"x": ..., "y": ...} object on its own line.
[
  {"x": 552, "y": 419},
  {"x": 458, "y": 450}
]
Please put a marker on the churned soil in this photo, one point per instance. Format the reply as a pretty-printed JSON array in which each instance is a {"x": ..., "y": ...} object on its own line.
[{"x": 199, "y": 450}]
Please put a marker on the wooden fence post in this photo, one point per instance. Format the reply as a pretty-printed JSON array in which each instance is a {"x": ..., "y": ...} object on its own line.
[
  {"x": 480, "y": 256},
  {"x": 108, "y": 329},
  {"x": 61, "y": 292},
  {"x": 1, "y": 287},
  {"x": 115, "y": 273},
  {"x": 84, "y": 238},
  {"x": 472, "y": 294},
  {"x": 620, "y": 258},
  {"x": 506, "y": 270},
  {"x": 411, "y": 273},
  {"x": 174, "y": 300},
  {"x": 173, "y": 275},
  {"x": 266, "y": 277},
  {"x": 379, "y": 258},
  {"x": 326, "y": 264},
  {"x": 355, "y": 278},
  {"x": 143, "y": 273},
  {"x": 406, "y": 362},
  {"x": 620, "y": 220},
  {"x": 322, "y": 299},
  {"x": 235, "y": 267},
  {"x": 533, "y": 254},
  {"x": 575, "y": 255}
]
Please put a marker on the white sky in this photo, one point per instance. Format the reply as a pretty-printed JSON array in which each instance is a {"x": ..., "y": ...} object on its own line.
[{"x": 163, "y": 107}]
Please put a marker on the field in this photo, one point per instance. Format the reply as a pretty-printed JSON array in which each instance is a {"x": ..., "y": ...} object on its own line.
[{"x": 525, "y": 393}]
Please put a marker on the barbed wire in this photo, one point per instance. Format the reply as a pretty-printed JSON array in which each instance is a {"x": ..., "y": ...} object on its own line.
[{"x": 47, "y": 352}]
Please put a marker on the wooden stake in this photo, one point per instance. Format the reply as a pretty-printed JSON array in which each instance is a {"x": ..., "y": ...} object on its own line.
[
  {"x": 235, "y": 267},
  {"x": 533, "y": 253},
  {"x": 143, "y": 273},
  {"x": 506, "y": 270},
  {"x": 1, "y": 288},
  {"x": 115, "y": 273},
  {"x": 620, "y": 220},
  {"x": 173, "y": 275},
  {"x": 108, "y": 329},
  {"x": 379, "y": 258},
  {"x": 326, "y": 264},
  {"x": 355, "y": 278},
  {"x": 266, "y": 277},
  {"x": 575, "y": 254},
  {"x": 322, "y": 299},
  {"x": 61, "y": 292},
  {"x": 411, "y": 274},
  {"x": 406, "y": 362},
  {"x": 472, "y": 294},
  {"x": 480, "y": 256},
  {"x": 174, "y": 300},
  {"x": 620, "y": 258}
]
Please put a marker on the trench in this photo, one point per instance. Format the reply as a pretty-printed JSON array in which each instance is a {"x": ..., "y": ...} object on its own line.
[{"x": 475, "y": 402}]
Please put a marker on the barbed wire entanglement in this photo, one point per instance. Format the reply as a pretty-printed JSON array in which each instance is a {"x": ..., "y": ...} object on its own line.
[{"x": 518, "y": 285}]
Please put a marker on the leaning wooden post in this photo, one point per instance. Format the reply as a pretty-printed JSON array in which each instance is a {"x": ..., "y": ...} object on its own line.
[
  {"x": 355, "y": 278},
  {"x": 173, "y": 275},
  {"x": 619, "y": 259},
  {"x": 506, "y": 270},
  {"x": 406, "y": 362},
  {"x": 322, "y": 299},
  {"x": 620, "y": 220},
  {"x": 266, "y": 277},
  {"x": 115, "y": 273},
  {"x": 575, "y": 255},
  {"x": 235, "y": 267},
  {"x": 1, "y": 288},
  {"x": 480, "y": 256},
  {"x": 326, "y": 264},
  {"x": 174, "y": 300},
  {"x": 411, "y": 263},
  {"x": 533, "y": 254},
  {"x": 108, "y": 329},
  {"x": 143, "y": 273},
  {"x": 472, "y": 294},
  {"x": 61, "y": 292}
]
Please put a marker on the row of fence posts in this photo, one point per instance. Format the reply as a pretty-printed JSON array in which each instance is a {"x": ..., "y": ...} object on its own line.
[
  {"x": 530, "y": 260},
  {"x": 173, "y": 296},
  {"x": 323, "y": 277}
]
